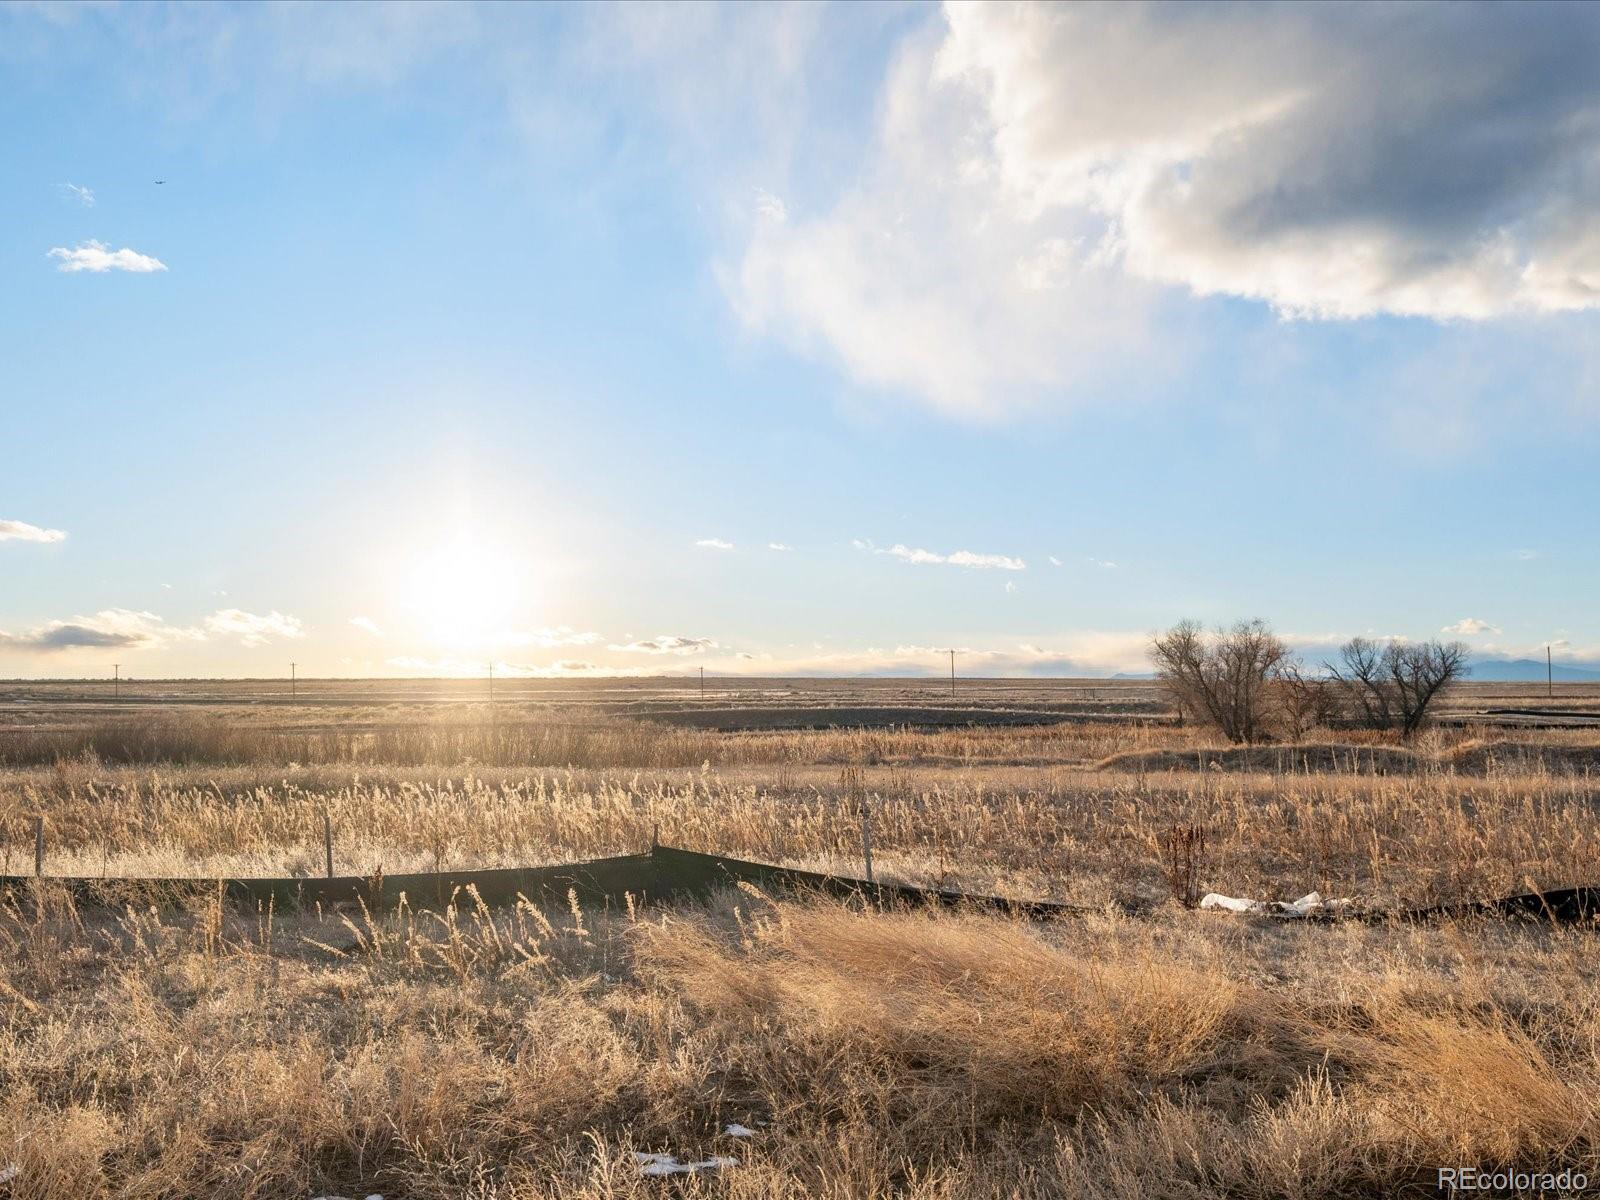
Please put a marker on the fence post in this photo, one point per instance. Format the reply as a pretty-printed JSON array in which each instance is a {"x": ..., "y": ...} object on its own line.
[
  {"x": 866, "y": 837},
  {"x": 38, "y": 846},
  {"x": 327, "y": 840}
]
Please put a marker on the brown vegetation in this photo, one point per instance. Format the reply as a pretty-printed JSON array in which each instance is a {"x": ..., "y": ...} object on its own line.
[
  {"x": 194, "y": 1051},
  {"x": 1242, "y": 682}
]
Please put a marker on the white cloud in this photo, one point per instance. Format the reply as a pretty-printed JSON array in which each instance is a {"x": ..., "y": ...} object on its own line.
[
  {"x": 778, "y": 546},
  {"x": 368, "y": 624},
  {"x": 1470, "y": 625},
  {"x": 714, "y": 544},
  {"x": 99, "y": 258},
  {"x": 252, "y": 629},
  {"x": 770, "y": 207},
  {"x": 1042, "y": 173},
  {"x": 1104, "y": 564},
  {"x": 1524, "y": 555},
  {"x": 1010, "y": 587},
  {"x": 21, "y": 531},
  {"x": 1056, "y": 562},
  {"x": 667, "y": 643},
  {"x": 82, "y": 195},
  {"x": 959, "y": 558}
]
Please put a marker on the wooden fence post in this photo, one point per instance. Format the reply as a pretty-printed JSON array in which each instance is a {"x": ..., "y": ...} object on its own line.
[
  {"x": 327, "y": 840},
  {"x": 38, "y": 846}
]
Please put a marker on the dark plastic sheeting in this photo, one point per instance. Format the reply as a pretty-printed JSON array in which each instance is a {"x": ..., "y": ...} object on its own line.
[{"x": 665, "y": 872}]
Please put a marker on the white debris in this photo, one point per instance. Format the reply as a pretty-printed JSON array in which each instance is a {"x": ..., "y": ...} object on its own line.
[
  {"x": 738, "y": 1130},
  {"x": 7, "y": 1174},
  {"x": 1311, "y": 904},
  {"x": 668, "y": 1164},
  {"x": 1232, "y": 903}
]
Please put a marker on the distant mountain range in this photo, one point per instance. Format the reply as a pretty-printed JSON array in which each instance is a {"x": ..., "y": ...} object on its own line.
[
  {"x": 1526, "y": 670},
  {"x": 1488, "y": 670}
]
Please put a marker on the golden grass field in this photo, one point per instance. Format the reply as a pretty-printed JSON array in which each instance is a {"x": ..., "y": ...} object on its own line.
[{"x": 190, "y": 1050}]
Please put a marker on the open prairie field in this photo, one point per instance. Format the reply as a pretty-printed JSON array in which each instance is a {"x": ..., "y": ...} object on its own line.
[{"x": 1137, "y": 1048}]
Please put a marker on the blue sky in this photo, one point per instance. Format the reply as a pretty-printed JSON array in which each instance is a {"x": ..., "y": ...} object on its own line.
[{"x": 457, "y": 335}]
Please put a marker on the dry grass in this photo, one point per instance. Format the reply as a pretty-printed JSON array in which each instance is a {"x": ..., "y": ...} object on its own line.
[
  {"x": 525, "y": 1054},
  {"x": 196, "y": 1051},
  {"x": 1047, "y": 830}
]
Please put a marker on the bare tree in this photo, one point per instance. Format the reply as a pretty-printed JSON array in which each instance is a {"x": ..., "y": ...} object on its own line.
[
  {"x": 1222, "y": 678},
  {"x": 1305, "y": 702},
  {"x": 1392, "y": 686}
]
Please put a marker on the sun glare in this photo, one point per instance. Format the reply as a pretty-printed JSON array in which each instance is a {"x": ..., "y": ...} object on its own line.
[{"x": 465, "y": 594}]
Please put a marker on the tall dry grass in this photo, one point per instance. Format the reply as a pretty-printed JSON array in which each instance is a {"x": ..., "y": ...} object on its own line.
[
  {"x": 1047, "y": 831},
  {"x": 521, "y": 1054},
  {"x": 471, "y": 736}
]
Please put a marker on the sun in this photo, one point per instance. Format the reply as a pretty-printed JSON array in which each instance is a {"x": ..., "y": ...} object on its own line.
[{"x": 464, "y": 593}]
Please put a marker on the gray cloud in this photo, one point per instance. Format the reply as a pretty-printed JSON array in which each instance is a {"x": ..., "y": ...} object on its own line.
[
  {"x": 115, "y": 628},
  {"x": 121, "y": 628},
  {"x": 1333, "y": 160}
]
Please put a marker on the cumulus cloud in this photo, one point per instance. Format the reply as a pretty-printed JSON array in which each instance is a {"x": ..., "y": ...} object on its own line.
[
  {"x": 368, "y": 624},
  {"x": 98, "y": 258},
  {"x": 667, "y": 643},
  {"x": 1330, "y": 161},
  {"x": 109, "y": 629},
  {"x": 714, "y": 544},
  {"x": 252, "y": 629},
  {"x": 1334, "y": 161},
  {"x": 1470, "y": 625},
  {"x": 778, "y": 546},
  {"x": 958, "y": 558},
  {"x": 21, "y": 531}
]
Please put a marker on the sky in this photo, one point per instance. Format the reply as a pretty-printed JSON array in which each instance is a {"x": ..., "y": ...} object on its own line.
[{"x": 404, "y": 340}]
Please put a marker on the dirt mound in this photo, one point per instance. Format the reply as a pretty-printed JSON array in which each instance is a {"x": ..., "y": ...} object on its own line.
[
  {"x": 1469, "y": 758},
  {"x": 1482, "y": 758},
  {"x": 1280, "y": 760}
]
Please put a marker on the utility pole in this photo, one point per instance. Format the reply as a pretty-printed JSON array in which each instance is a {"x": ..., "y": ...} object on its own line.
[
  {"x": 293, "y": 688},
  {"x": 1549, "y": 674},
  {"x": 702, "y": 683},
  {"x": 491, "y": 683},
  {"x": 116, "y": 681},
  {"x": 952, "y": 672}
]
